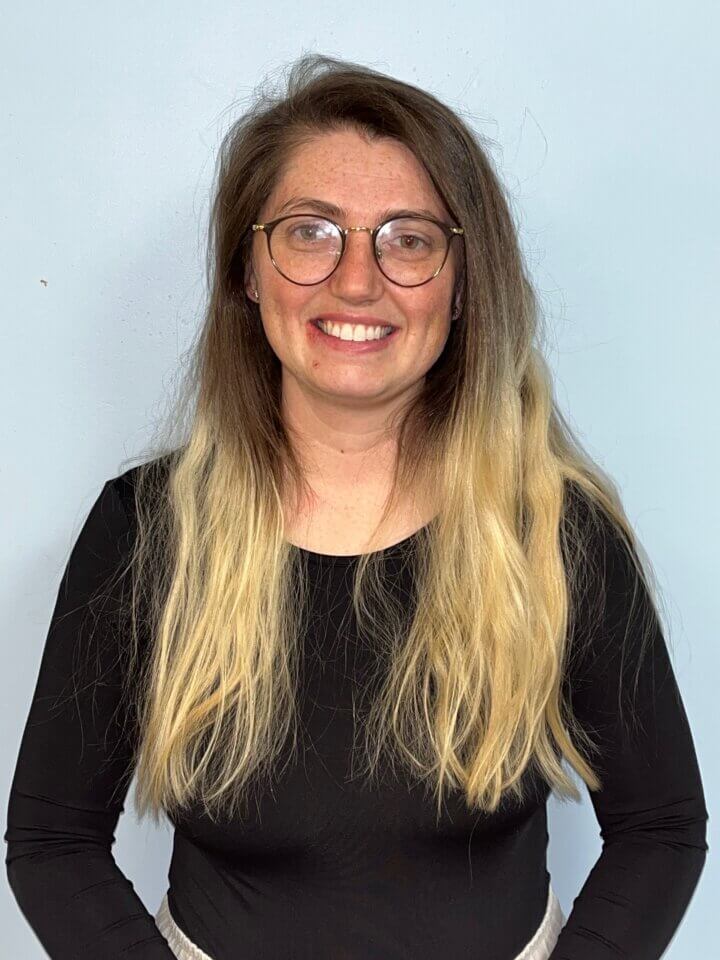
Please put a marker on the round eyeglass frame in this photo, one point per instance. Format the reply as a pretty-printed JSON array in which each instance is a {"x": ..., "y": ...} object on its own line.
[{"x": 268, "y": 227}]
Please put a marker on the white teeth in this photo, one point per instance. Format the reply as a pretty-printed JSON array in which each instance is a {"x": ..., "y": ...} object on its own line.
[{"x": 349, "y": 331}]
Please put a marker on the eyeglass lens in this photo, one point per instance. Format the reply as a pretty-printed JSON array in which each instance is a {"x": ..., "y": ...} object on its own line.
[{"x": 306, "y": 249}]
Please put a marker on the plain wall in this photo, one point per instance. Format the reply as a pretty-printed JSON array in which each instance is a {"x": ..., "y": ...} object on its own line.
[{"x": 605, "y": 124}]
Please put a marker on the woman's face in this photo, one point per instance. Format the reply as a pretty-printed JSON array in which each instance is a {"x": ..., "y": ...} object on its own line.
[{"x": 363, "y": 179}]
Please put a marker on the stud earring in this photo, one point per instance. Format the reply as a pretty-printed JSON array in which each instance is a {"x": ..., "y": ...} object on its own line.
[{"x": 257, "y": 296}]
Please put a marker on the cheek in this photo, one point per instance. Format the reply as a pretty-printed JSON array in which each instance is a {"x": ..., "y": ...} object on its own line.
[
  {"x": 426, "y": 339},
  {"x": 433, "y": 300},
  {"x": 287, "y": 303},
  {"x": 283, "y": 316},
  {"x": 436, "y": 325},
  {"x": 435, "y": 315}
]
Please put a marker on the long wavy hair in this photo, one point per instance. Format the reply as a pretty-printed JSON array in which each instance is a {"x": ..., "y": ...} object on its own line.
[{"x": 471, "y": 692}]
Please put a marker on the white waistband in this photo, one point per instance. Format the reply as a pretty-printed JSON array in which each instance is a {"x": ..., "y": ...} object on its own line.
[
  {"x": 178, "y": 941},
  {"x": 545, "y": 937},
  {"x": 538, "y": 948}
]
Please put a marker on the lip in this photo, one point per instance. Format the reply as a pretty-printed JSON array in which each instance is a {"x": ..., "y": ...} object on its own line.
[{"x": 321, "y": 339}]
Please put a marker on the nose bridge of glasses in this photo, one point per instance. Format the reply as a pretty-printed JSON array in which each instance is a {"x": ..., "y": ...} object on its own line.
[
  {"x": 347, "y": 230},
  {"x": 370, "y": 230}
]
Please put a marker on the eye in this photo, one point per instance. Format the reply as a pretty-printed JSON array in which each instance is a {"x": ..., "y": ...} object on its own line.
[
  {"x": 411, "y": 239},
  {"x": 306, "y": 231},
  {"x": 415, "y": 241}
]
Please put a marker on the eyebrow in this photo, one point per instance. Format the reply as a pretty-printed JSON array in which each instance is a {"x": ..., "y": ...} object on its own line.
[{"x": 332, "y": 210}]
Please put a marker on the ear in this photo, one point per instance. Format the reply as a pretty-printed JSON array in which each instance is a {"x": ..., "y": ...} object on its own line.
[
  {"x": 459, "y": 288},
  {"x": 250, "y": 282},
  {"x": 457, "y": 309}
]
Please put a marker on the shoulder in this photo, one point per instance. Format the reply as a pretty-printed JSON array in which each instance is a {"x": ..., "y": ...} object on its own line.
[
  {"x": 123, "y": 487},
  {"x": 609, "y": 576},
  {"x": 614, "y": 603},
  {"x": 590, "y": 535}
]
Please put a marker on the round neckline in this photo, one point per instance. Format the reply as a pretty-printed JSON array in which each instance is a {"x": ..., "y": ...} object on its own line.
[{"x": 344, "y": 560}]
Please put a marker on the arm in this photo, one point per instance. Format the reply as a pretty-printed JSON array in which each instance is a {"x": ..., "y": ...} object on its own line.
[
  {"x": 651, "y": 808},
  {"x": 74, "y": 767}
]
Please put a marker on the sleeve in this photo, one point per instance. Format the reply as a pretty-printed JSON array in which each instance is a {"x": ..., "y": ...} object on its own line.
[
  {"x": 651, "y": 806},
  {"x": 75, "y": 763}
]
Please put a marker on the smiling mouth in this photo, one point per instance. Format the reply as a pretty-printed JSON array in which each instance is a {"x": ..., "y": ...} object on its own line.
[{"x": 339, "y": 332}]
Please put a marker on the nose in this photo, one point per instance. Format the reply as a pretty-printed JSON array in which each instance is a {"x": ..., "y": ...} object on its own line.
[{"x": 357, "y": 276}]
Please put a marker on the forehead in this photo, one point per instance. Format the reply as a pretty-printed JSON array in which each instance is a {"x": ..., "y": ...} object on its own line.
[{"x": 360, "y": 178}]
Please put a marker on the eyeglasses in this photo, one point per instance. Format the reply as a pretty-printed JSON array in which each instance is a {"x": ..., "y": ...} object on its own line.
[{"x": 306, "y": 249}]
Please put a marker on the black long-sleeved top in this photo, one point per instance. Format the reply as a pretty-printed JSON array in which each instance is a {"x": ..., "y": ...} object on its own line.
[{"x": 329, "y": 868}]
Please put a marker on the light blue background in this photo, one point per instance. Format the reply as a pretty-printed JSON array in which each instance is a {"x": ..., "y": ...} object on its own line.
[{"x": 605, "y": 122}]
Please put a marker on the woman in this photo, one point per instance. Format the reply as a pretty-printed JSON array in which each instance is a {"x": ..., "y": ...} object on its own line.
[{"x": 378, "y": 540}]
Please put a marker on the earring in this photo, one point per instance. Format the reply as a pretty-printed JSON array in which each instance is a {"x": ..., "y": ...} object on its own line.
[{"x": 257, "y": 296}]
